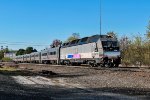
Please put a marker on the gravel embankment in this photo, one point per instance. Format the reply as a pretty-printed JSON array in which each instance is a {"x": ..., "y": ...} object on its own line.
[
  {"x": 128, "y": 81},
  {"x": 28, "y": 82}
]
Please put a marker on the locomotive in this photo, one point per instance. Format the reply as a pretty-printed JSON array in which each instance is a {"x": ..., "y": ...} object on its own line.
[{"x": 97, "y": 50}]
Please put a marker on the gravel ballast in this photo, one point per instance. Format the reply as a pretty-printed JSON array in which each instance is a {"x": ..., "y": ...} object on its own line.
[{"x": 132, "y": 81}]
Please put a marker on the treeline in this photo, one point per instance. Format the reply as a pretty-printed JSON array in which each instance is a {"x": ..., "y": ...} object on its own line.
[
  {"x": 6, "y": 50},
  {"x": 136, "y": 50},
  {"x": 28, "y": 50}
]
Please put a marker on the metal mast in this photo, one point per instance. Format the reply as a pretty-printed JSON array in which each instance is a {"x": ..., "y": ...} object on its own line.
[{"x": 100, "y": 17}]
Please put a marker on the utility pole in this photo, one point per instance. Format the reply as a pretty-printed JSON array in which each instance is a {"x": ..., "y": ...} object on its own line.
[{"x": 100, "y": 17}]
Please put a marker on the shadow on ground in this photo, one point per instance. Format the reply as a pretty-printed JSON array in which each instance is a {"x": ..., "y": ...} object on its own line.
[
  {"x": 14, "y": 91},
  {"x": 17, "y": 73},
  {"x": 31, "y": 73}
]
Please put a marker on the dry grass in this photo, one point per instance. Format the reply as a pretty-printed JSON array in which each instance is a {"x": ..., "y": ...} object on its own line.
[{"x": 5, "y": 68}]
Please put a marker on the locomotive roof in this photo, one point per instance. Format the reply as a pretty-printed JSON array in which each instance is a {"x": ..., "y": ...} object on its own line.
[
  {"x": 86, "y": 40},
  {"x": 79, "y": 41}
]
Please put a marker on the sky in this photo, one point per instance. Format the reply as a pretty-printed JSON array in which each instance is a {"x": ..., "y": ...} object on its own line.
[{"x": 38, "y": 22}]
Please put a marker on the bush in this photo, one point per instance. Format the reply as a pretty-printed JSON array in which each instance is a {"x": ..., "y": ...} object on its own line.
[
  {"x": 6, "y": 59},
  {"x": 137, "y": 52}
]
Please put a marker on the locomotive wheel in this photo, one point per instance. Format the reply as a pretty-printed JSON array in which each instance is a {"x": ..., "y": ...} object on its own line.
[
  {"x": 93, "y": 65},
  {"x": 79, "y": 64},
  {"x": 116, "y": 65},
  {"x": 72, "y": 64},
  {"x": 109, "y": 65},
  {"x": 67, "y": 63}
]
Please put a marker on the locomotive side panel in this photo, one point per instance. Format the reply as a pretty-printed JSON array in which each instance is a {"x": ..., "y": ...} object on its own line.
[{"x": 86, "y": 50}]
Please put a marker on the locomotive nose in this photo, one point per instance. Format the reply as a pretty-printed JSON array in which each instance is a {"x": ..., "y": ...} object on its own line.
[{"x": 112, "y": 54}]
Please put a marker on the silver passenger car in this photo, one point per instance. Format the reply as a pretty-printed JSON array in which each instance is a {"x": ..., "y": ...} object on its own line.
[
  {"x": 50, "y": 55},
  {"x": 37, "y": 57},
  {"x": 32, "y": 57},
  {"x": 27, "y": 58},
  {"x": 20, "y": 58}
]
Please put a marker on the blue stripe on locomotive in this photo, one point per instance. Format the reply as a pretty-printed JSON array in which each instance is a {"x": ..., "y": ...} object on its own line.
[{"x": 70, "y": 56}]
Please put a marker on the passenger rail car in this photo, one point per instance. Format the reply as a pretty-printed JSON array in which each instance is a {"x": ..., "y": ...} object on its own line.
[
  {"x": 37, "y": 57},
  {"x": 97, "y": 50},
  {"x": 19, "y": 58},
  {"x": 32, "y": 58},
  {"x": 28, "y": 58},
  {"x": 50, "y": 55}
]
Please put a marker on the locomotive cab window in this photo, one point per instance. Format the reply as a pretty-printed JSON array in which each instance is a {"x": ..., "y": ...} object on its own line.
[
  {"x": 110, "y": 45},
  {"x": 94, "y": 38},
  {"x": 67, "y": 44},
  {"x": 77, "y": 41},
  {"x": 83, "y": 40},
  {"x": 73, "y": 42},
  {"x": 64, "y": 44}
]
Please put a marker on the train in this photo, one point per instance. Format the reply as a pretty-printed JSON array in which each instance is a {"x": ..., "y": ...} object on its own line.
[{"x": 96, "y": 50}]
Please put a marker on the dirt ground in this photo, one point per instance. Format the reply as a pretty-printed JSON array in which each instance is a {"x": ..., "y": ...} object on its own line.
[{"x": 27, "y": 82}]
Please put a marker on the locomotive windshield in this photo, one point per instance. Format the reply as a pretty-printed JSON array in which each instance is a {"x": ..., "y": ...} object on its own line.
[
  {"x": 94, "y": 38},
  {"x": 110, "y": 45},
  {"x": 83, "y": 41}
]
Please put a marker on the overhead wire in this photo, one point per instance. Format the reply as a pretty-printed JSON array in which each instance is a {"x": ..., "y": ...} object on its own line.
[{"x": 21, "y": 43}]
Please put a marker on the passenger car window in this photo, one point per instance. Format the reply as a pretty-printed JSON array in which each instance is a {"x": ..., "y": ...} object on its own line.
[{"x": 44, "y": 54}]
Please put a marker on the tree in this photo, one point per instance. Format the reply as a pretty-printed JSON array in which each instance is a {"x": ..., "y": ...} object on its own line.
[
  {"x": 6, "y": 50},
  {"x": 124, "y": 43},
  {"x": 74, "y": 36},
  {"x": 20, "y": 52},
  {"x": 34, "y": 50},
  {"x": 1, "y": 54},
  {"x": 30, "y": 50},
  {"x": 27, "y": 51},
  {"x": 56, "y": 43},
  {"x": 112, "y": 34},
  {"x": 148, "y": 30}
]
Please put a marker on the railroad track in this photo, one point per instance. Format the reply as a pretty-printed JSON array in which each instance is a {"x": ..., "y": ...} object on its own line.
[{"x": 88, "y": 67}]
